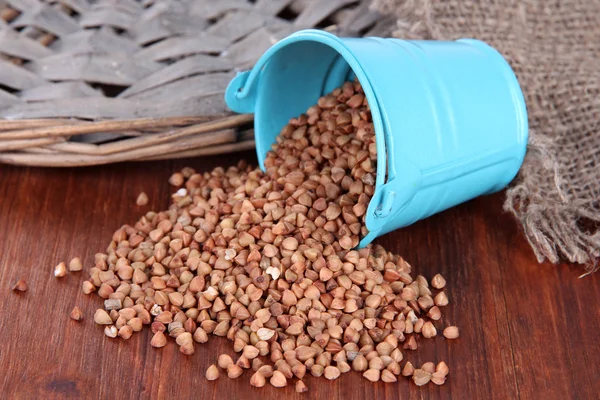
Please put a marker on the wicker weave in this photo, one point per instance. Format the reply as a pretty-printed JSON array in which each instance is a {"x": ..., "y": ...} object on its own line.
[{"x": 87, "y": 82}]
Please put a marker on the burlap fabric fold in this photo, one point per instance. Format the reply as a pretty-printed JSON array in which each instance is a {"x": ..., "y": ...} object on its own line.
[{"x": 554, "y": 48}]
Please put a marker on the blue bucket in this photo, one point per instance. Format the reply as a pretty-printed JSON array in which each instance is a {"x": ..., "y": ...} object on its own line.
[{"x": 449, "y": 117}]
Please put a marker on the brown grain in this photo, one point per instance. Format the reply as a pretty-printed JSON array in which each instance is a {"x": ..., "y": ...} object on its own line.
[
  {"x": 75, "y": 265},
  {"x": 77, "y": 314},
  {"x": 60, "y": 270},
  {"x": 20, "y": 286},
  {"x": 212, "y": 373},
  {"x": 258, "y": 380},
  {"x": 142, "y": 199},
  {"x": 234, "y": 371},
  {"x": 301, "y": 387},
  {"x": 451, "y": 332},
  {"x": 266, "y": 260}
]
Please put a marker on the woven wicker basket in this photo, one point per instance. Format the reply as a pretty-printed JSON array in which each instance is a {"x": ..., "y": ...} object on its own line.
[{"x": 86, "y": 82}]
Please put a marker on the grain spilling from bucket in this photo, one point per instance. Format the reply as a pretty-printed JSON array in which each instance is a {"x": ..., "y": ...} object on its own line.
[{"x": 269, "y": 261}]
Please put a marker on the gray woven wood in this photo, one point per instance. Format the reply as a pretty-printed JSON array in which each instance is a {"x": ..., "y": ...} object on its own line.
[{"x": 87, "y": 62}]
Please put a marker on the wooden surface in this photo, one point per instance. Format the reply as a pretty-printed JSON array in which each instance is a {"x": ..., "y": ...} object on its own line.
[{"x": 528, "y": 331}]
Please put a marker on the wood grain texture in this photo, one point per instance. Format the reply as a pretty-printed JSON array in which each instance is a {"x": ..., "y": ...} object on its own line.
[{"x": 528, "y": 331}]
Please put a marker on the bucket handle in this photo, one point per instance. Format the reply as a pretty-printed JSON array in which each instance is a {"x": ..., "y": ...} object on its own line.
[{"x": 238, "y": 96}]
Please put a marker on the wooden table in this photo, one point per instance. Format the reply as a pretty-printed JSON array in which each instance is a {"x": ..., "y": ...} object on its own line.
[{"x": 528, "y": 331}]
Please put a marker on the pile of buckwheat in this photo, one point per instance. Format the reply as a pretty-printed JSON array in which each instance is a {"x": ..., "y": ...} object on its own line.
[{"x": 268, "y": 260}]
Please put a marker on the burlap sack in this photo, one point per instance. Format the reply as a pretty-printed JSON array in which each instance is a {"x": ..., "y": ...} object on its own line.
[{"x": 554, "y": 48}]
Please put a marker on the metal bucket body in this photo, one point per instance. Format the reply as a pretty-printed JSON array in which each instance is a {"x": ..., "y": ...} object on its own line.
[{"x": 449, "y": 117}]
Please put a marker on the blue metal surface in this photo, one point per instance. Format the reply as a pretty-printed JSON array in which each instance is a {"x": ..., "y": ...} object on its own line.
[{"x": 449, "y": 117}]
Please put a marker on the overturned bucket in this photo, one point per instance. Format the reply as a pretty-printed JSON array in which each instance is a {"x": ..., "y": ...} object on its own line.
[{"x": 449, "y": 117}]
